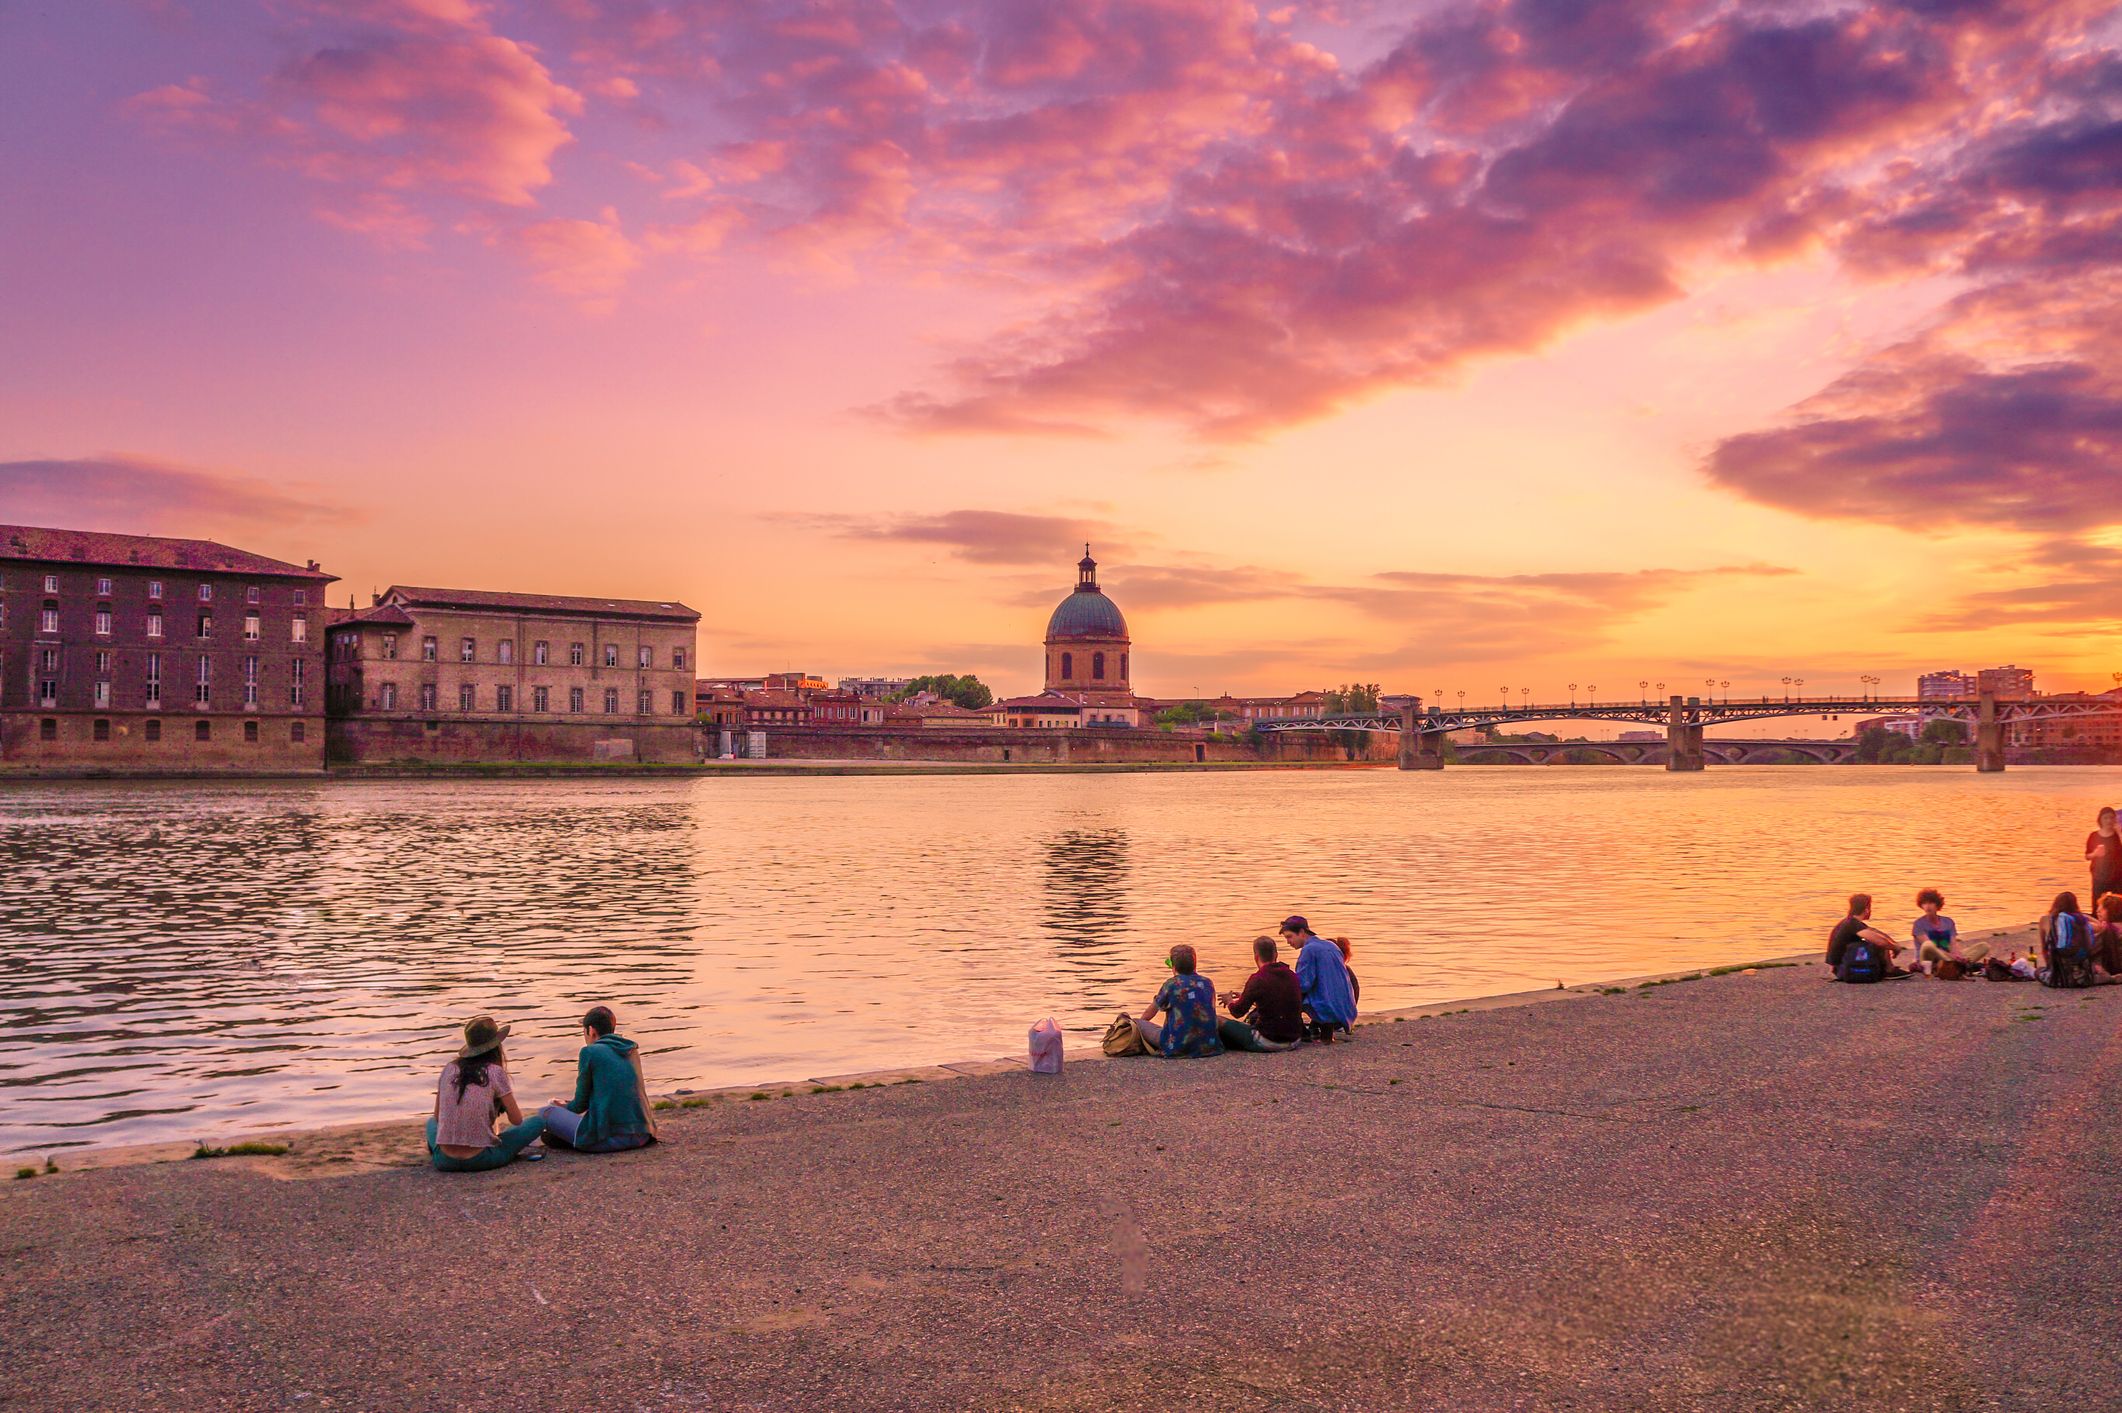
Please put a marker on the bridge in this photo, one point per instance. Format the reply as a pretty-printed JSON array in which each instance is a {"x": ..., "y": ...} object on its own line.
[
  {"x": 1422, "y": 729},
  {"x": 1750, "y": 751}
]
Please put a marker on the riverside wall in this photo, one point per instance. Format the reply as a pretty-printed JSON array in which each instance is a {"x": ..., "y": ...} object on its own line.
[
  {"x": 1081, "y": 746},
  {"x": 413, "y": 741}
]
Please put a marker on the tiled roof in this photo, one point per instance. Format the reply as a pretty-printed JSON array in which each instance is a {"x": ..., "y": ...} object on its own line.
[
  {"x": 144, "y": 552},
  {"x": 1044, "y": 701},
  {"x": 775, "y": 700},
  {"x": 538, "y": 603},
  {"x": 388, "y": 614}
]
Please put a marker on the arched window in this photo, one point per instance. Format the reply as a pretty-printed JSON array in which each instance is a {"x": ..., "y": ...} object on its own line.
[
  {"x": 1123, "y": 667},
  {"x": 1097, "y": 667},
  {"x": 1068, "y": 666}
]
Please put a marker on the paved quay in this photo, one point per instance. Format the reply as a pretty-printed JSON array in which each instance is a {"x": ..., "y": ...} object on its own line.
[{"x": 1749, "y": 1190}]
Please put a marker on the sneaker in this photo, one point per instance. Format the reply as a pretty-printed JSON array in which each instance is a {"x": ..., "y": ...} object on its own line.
[{"x": 531, "y": 1155}]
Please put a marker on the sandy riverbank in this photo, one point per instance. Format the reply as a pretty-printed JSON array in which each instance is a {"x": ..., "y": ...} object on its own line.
[{"x": 1750, "y": 1190}]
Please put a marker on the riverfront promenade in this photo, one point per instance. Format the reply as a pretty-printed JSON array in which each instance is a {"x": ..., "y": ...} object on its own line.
[{"x": 1742, "y": 1191}]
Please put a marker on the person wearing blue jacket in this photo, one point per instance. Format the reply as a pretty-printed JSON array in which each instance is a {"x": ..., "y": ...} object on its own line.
[
  {"x": 610, "y": 1111},
  {"x": 1323, "y": 977}
]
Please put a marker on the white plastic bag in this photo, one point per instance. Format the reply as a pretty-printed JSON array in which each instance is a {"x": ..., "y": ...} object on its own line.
[{"x": 1046, "y": 1047}]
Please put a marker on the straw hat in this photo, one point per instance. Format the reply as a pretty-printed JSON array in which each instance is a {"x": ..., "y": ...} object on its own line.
[{"x": 481, "y": 1034}]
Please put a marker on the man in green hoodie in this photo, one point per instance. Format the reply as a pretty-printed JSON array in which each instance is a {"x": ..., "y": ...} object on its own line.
[{"x": 610, "y": 1111}]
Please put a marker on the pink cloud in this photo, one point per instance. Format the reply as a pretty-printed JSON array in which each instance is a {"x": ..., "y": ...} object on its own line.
[
  {"x": 144, "y": 496},
  {"x": 587, "y": 261}
]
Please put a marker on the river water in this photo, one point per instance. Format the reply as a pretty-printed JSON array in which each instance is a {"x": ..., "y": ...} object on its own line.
[{"x": 190, "y": 960}]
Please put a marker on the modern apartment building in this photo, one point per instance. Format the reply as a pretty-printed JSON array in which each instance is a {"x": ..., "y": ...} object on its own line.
[
  {"x": 138, "y": 652},
  {"x": 470, "y": 674}
]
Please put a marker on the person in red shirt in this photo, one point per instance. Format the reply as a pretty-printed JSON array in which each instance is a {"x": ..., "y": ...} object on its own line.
[{"x": 1269, "y": 1013}]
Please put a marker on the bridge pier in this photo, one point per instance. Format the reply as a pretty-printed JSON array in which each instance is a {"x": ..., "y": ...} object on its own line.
[
  {"x": 1683, "y": 738},
  {"x": 1989, "y": 735},
  {"x": 1419, "y": 749}
]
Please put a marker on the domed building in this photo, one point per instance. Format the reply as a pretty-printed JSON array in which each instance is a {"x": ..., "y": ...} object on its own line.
[{"x": 1087, "y": 665}]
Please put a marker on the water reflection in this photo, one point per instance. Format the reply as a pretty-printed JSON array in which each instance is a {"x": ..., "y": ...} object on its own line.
[{"x": 181, "y": 961}]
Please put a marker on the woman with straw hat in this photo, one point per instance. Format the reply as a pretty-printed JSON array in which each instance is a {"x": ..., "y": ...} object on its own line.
[{"x": 473, "y": 1088}]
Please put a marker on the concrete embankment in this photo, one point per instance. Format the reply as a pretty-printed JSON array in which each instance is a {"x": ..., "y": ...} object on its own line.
[{"x": 1748, "y": 1190}]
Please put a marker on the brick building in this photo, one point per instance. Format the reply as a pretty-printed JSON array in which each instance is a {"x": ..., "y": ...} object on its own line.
[
  {"x": 845, "y": 709},
  {"x": 145, "y": 653},
  {"x": 468, "y": 674}
]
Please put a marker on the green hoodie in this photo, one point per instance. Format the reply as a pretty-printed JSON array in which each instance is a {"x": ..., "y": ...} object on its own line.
[{"x": 606, "y": 1094}]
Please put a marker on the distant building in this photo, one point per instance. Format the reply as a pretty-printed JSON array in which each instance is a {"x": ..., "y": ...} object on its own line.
[
  {"x": 845, "y": 709},
  {"x": 875, "y": 688},
  {"x": 1643, "y": 736},
  {"x": 1298, "y": 706},
  {"x": 796, "y": 682},
  {"x": 936, "y": 714},
  {"x": 2009, "y": 684},
  {"x": 1946, "y": 685},
  {"x": 2093, "y": 732},
  {"x": 775, "y": 707},
  {"x": 717, "y": 706},
  {"x": 473, "y": 674},
  {"x": 136, "y": 651},
  {"x": 1087, "y": 653},
  {"x": 1045, "y": 711},
  {"x": 738, "y": 685},
  {"x": 1909, "y": 726}
]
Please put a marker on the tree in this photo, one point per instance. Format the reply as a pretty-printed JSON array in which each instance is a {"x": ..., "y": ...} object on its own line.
[
  {"x": 1944, "y": 731},
  {"x": 1352, "y": 697},
  {"x": 967, "y": 691},
  {"x": 1186, "y": 714}
]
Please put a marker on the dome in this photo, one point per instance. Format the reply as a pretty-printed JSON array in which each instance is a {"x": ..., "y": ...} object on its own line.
[{"x": 1086, "y": 613}]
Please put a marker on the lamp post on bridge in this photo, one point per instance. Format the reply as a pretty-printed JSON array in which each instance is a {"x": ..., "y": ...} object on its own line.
[
  {"x": 1506, "y": 697},
  {"x": 1726, "y": 685},
  {"x": 1572, "y": 694},
  {"x": 1592, "y": 689},
  {"x": 1645, "y": 685},
  {"x": 1525, "y": 699},
  {"x": 1786, "y": 689}
]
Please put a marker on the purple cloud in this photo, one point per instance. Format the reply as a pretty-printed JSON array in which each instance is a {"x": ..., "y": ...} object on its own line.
[{"x": 150, "y": 497}]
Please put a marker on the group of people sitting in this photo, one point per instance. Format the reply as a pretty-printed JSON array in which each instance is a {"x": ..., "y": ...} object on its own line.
[
  {"x": 1279, "y": 1008},
  {"x": 609, "y": 1113},
  {"x": 2072, "y": 950}
]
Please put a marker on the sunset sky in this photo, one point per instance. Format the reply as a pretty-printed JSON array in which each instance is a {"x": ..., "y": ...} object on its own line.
[{"x": 1448, "y": 345}]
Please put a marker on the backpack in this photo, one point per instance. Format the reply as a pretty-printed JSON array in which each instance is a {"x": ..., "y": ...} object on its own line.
[
  {"x": 1862, "y": 960},
  {"x": 1123, "y": 1037},
  {"x": 2070, "y": 954}
]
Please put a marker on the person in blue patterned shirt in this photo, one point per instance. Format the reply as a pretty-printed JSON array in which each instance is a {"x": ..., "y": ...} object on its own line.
[{"x": 1188, "y": 1000}]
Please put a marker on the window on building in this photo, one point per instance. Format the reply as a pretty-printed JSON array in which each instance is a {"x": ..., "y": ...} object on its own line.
[
  {"x": 48, "y": 729},
  {"x": 202, "y": 731},
  {"x": 505, "y": 651},
  {"x": 154, "y": 588},
  {"x": 48, "y": 619},
  {"x": 103, "y": 586},
  {"x": 467, "y": 697},
  {"x": 298, "y": 629},
  {"x": 611, "y": 654},
  {"x": 103, "y": 664},
  {"x": 644, "y": 703},
  {"x": 541, "y": 652},
  {"x": 103, "y": 620},
  {"x": 541, "y": 699},
  {"x": 206, "y": 625},
  {"x": 387, "y": 696},
  {"x": 295, "y": 685},
  {"x": 1097, "y": 667},
  {"x": 427, "y": 696},
  {"x": 206, "y": 593},
  {"x": 1123, "y": 667},
  {"x": 250, "y": 627},
  {"x": 102, "y": 729},
  {"x": 428, "y": 649},
  {"x": 103, "y": 694},
  {"x": 154, "y": 730},
  {"x": 574, "y": 654},
  {"x": 301, "y": 598},
  {"x": 645, "y": 658},
  {"x": 467, "y": 649},
  {"x": 611, "y": 701},
  {"x": 154, "y": 679},
  {"x": 250, "y": 594},
  {"x": 677, "y": 704},
  {"x": 504, "y": 698},
  {"x": 677, "y": 657},
  {"x": 390, "y": 645},
  {"x": 299, "y": 732},
  {"x": 51, "y": 583},
  {"x": 574, "y": 699},
  {"x": 154, "y": 623},
  {"x": 1068, "y": 666},
  {"x": 250, "y": 732}
]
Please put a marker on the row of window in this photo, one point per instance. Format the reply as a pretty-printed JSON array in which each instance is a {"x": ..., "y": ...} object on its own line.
[
  {"x": 48, "y": 730},
  {"x": 505, "y": 651},
  {"x": 44, "y": 680},
  {"x": 541, "y": 699},
  {"x": 48, "y": 622},
  {"x": 251, "y": 593}
]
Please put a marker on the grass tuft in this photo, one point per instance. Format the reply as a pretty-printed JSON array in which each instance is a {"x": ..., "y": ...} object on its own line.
[
  {"x": 24, "y": 1174},
  {"x": 248, "y": 1148}
]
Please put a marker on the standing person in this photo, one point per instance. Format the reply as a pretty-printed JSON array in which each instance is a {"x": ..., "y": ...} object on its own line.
[
  {"x": 1328, "y": 998},
  {"x": 1271, "y": 1007},
  {"x": 610, "y": 1111},
  {"x": 2103, "y": 853},
  {"x": 1188, "y": 1000},
  {"x": 473, "y": 1088},
  {"x": 1858, "y": 951},
  {"x": 1937, "y": 937}
]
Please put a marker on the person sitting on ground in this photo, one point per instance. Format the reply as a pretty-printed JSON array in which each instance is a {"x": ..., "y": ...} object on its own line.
[
  {"x": 1269, "y": 1013},
  {"x": 610, "y": 1111},
  {"x": 2107, "y": 934},
  {"x": 1937, "y": 937},
  {"x": 1355, "y": 987},
  {"x": 1188, "y": 1000},
  {"x": 1328, "y": 999},
  {"x": 2066, "y": 959},
  {"x": 473, "y": 1088},
  {"x": 1858, "y": 951}
]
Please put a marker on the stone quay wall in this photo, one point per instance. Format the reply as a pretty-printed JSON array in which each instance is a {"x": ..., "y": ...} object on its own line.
[
  {"x": 1080, "y": 746},
  {"x": 392, "y": 741}
]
